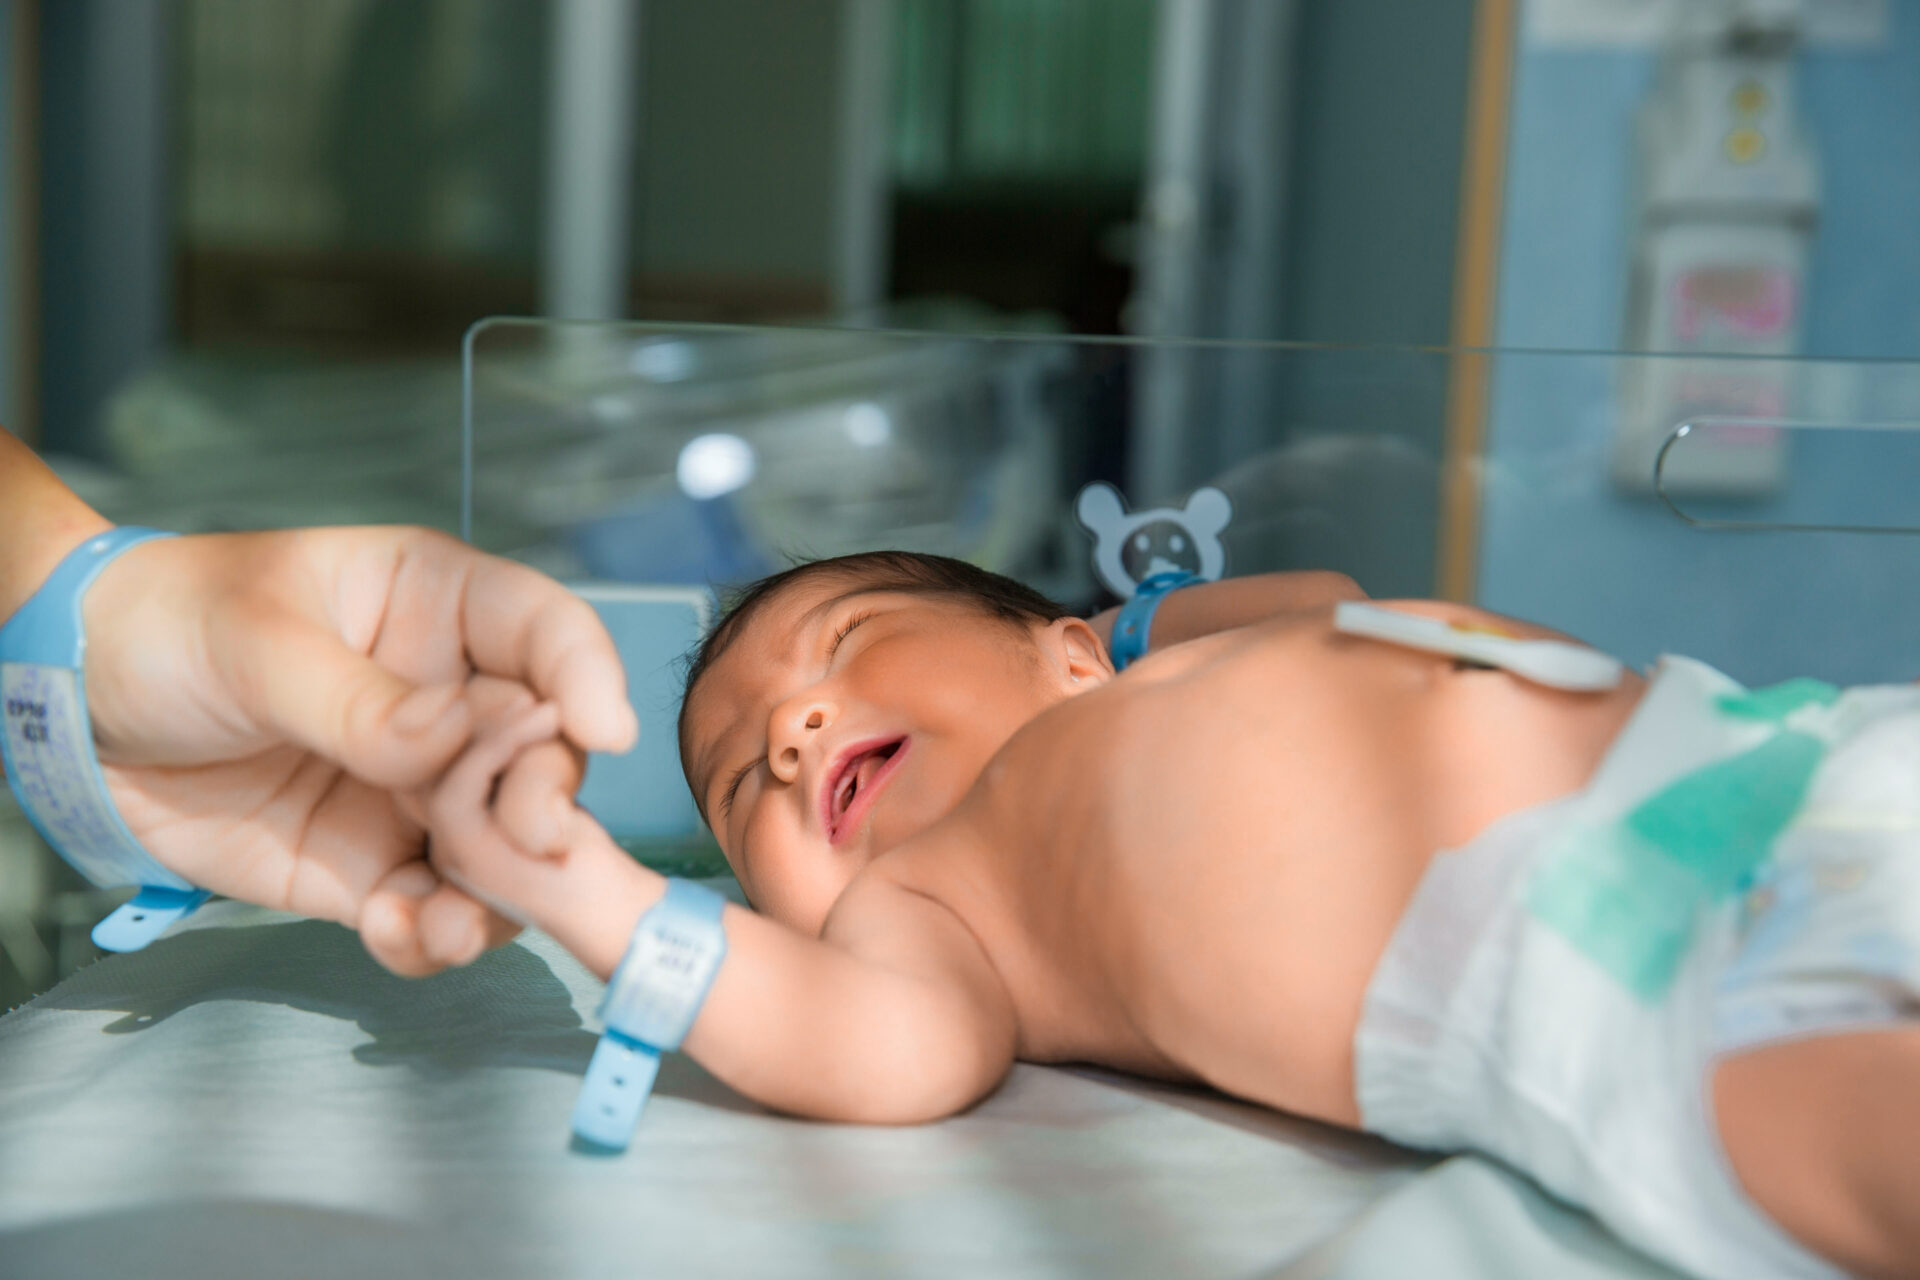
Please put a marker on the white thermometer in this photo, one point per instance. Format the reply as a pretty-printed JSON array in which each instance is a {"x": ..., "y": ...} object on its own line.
[{"x": 1554, "y": 663}]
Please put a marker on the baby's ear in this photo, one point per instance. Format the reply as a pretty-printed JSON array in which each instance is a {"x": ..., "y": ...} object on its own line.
[{"x": 1080, "y": 656}]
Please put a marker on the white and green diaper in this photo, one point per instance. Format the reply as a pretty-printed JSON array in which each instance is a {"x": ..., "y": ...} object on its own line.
[{"x": 1743, "y": 867}]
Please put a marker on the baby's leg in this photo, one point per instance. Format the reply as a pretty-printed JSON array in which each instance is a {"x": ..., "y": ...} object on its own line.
[{"x": 1824, "y": 1134}]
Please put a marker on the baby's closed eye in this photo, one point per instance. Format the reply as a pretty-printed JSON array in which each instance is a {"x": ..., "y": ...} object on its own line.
[{"x": 734, "y": 784}]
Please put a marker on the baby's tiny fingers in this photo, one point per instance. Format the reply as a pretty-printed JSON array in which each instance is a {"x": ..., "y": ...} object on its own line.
[
  {"x": 534, "y": 804},
  {"x": 465, "y": 793},
  {"x": 464, "y": 842},
  {"x": 494, "y": 706}
]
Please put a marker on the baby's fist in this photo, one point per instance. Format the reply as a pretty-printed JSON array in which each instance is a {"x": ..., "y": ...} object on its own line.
[{"x": 470, "y": 840}]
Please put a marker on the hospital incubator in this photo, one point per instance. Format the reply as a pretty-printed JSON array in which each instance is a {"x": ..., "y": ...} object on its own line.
[
  {"x": 250, "y": 1089},
  {"x": 712, "y": 456}
]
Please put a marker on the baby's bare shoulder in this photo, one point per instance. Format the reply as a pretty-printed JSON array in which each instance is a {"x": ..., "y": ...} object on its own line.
[
  {"x": 912, "y": 929},
  {"x": 916, "y": 878}
]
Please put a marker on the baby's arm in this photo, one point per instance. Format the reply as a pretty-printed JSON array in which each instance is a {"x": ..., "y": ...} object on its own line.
[
  {"x": 893, "y": 1016},
  {"x": 1207, "y": 607}
]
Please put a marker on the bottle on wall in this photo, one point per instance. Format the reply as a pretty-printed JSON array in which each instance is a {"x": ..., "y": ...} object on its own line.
[{"x": 1728, "y": 197}]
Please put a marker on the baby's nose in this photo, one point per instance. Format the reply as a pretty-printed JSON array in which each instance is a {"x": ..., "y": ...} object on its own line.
[{"x": 786, "y": 761}]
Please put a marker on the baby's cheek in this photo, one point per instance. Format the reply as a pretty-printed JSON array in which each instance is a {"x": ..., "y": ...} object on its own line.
[
  {"x": 747, "y": 854},
  {"x": 776, "y": 879}
]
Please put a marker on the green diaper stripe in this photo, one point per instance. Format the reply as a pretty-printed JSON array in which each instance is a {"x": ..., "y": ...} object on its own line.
[
  {"x": 1720, "y": 821},
  {"x": 1777, "y": 702},
  {"x": 1628, "y": 895},
  {"x": 1627, "y": 907}
]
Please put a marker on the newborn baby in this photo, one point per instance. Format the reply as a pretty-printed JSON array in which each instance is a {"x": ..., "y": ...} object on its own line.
[{"x": 1654, "y": 945}]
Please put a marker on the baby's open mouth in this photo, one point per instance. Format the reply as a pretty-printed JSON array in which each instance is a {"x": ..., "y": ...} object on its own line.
[{"x": 858, "y": 777}]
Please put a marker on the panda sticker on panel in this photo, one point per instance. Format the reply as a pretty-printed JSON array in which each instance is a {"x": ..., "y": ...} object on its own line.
[{"x": 1131, "y": 547}]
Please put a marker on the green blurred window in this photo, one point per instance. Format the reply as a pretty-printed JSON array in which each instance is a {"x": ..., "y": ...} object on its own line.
[{"x": 994, "y": 91}]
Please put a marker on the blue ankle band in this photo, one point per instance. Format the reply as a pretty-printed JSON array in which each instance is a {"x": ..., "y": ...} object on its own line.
[
  {"x": 48, "y": 748},
  {"x": 650, "y": 1005},
  {"x": 1134, "y": 623}
]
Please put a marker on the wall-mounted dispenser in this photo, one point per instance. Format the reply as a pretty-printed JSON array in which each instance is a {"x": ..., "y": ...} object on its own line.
[{"x": 1728, "y": 196}]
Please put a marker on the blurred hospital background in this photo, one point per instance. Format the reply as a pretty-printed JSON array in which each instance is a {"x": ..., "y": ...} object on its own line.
[{"x": 1428, "y": 287}]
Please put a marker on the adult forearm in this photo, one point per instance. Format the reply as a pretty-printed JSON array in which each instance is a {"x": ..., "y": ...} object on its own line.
[
  {"x": 41, "y": 520},
  {"x": 1203, "y": 609}
]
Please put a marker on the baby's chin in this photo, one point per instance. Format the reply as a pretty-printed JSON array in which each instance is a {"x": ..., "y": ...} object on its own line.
[{"x": 802, "y": 908}]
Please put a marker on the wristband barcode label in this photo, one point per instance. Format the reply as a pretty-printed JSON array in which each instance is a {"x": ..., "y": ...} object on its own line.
[{"x": 51, "y": 764}]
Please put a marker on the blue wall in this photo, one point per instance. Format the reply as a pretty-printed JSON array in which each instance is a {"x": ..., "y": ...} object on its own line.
[{"x": 1559, "y": 543}]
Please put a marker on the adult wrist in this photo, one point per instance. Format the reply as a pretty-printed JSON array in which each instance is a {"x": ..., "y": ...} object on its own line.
[
  {"x": 46, "y": 737},
  {"x": 41, "y": 522},
  {"x": 29, "y": 554}
]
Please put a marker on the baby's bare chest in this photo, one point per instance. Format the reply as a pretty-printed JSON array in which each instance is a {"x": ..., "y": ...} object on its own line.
[{"x": 1197, "y": 877}]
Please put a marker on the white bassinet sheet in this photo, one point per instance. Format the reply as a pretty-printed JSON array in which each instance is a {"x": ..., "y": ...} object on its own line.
[{"x": 253, "y": 1095}]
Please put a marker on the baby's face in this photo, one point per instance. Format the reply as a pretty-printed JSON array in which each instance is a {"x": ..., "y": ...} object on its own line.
[{"x": 841, "y": 722}]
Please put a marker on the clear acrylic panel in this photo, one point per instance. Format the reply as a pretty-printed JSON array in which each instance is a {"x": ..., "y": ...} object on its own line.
[
  {"x": 712, "y": 456},
  {"x": 1757, "y": 514},
  {"x": 1558, "y": 486},
  {"x": 206, "y": 442}
]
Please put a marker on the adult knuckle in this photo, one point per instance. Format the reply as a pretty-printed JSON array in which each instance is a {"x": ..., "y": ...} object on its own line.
[
  {"x": 421, "y": 538},
  {"x": 361, "y": 712}
]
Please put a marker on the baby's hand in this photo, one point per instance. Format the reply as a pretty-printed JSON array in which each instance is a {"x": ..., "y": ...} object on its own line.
[
  {"x": 532, "y": 793},
  {"x": 491, "y": 818},
  {"x": 502, "y": 828}
]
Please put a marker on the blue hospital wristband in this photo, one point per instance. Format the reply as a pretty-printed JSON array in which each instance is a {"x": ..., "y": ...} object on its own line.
[
  {"x": 48, "y": 747},
  {"x": 651, "y": 1002},
  {"x": 1133, "y": 626}
]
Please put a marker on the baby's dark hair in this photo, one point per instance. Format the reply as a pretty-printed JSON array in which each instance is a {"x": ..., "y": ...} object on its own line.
[{"x": 911, "y": 572}]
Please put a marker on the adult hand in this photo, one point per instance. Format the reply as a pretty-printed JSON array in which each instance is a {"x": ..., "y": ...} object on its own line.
[{"x": 264, "y": 703}]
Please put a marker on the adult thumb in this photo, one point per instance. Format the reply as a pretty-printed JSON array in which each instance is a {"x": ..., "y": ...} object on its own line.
[{"x": 301, "y": 683}]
